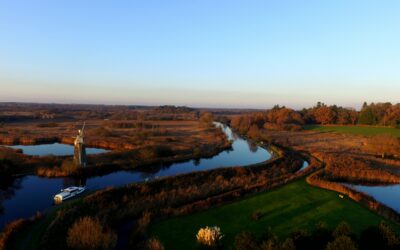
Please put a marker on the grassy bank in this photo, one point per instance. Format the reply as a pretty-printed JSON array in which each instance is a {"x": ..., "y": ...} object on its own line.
[
  {"x": 293, "y": 206},
  {"x": 357, "y": 130}
]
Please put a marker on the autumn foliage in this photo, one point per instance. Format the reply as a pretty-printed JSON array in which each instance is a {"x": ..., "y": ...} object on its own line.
[
  {"x": 352, "y": 169},
  {"x": 171, "y": 196},
  {"x": 88, "y": 233}
]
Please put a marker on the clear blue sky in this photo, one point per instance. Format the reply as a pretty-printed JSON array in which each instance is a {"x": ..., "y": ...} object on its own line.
[{"x": 200, "y": 52}]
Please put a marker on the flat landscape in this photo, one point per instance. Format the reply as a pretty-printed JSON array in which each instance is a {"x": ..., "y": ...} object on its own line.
[
  {"x": 199, "y": 125},
  {"x": 356, "y": 130},
  {"x": 296, "y": 206}
]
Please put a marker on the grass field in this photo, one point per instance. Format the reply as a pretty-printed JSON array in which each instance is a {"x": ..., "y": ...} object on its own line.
[
  {"x": 293, "y": 206},
  {"x": 358, "y": 130}
]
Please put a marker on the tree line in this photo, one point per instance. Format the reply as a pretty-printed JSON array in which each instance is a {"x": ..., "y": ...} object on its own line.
[{"x": 281, "y": 117}]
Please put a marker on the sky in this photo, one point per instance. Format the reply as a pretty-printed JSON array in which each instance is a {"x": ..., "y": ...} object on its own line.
[{"x": 200, "y": 53}]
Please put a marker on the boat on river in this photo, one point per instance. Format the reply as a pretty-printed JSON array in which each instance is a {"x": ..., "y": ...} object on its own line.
[{"x": 68, "y": 193}]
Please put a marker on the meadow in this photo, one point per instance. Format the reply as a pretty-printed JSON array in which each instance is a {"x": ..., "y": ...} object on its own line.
[
  {"x": 293, "y": 206},
  {"x": 355, "y": 130}
]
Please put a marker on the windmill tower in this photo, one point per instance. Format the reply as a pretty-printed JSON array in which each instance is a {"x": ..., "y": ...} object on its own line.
[{"x": 79, "y": 149}]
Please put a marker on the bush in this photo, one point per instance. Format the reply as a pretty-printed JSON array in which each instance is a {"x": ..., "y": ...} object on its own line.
[
  {"x": 68, "y": 166},
  {"x": 288, "y": 244},
  {"x": 154, "y": 244},
  {"x": 342, "y": 243},
  {"x": 10, "y": 230},
  {"x": 101, "y": 131},
  {"x": 391, "y": 238},
  {"x": 87, "y": 233},
  {"x": 257, "y": 215},
  {"x": 343, "y": 229},
  {"x": 245, "y": 241},
  {"x": 209, "y": 236}
]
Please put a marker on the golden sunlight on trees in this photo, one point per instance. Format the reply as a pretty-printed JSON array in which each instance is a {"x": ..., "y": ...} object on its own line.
[
  {"x": 209, "y": 236},
  {"x": 87, "y": 233}
]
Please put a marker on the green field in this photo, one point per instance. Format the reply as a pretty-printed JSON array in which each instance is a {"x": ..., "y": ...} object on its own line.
[
  {"x": 293, "y": 206},
  {"x": 357, "y": 130}
]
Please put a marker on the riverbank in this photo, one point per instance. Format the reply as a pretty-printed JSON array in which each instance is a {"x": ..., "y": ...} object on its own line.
[
  {"x": 346, "y": 158},
  {"x": 180, "y": 141},
  {"x": 181, "y": 194}
]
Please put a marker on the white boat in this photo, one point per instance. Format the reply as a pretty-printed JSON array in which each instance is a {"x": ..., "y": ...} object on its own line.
[{"x": 68, "y": 193}]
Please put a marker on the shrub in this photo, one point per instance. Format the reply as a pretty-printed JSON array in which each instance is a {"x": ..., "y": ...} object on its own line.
[
  {"x": 154, "y": 244},
  {"x": 343, "y": 229},
  {"x": 209, "y": 236},
  {"x": 68, "y": 166},
  {"x": 257, "y": 215},
  {"x": 245, "y": 241},
  {"x": 8, "y": 233},
  {"x": 342, "y": 243},
  {"x": 144, "y": 221},
  {"x": 391, "y": 238},
  {"x": 87, "y": 233},
  {"x": 288, "y": 244},
  {"x": 101, "y": 131}
]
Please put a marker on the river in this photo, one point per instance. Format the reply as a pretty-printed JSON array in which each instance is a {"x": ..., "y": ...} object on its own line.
[
  {"x": 24, "y": 196},
  {"x": 385, "y": 194}
]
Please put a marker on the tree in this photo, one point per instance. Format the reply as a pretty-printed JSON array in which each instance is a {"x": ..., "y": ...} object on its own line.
[
  {"x": 392, "y": 116},
  {"x": 87, "y": 233},
  {"x": 366, "y": 117},
  {"x": 325, "y": 115}
]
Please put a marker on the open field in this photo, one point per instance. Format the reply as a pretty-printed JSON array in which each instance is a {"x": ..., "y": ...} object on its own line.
[
  {"x": 293, "y": 206},
  {"x": 327, "y": 143},
  {"x": 136, "y": 136},
  {"x": 356, "y": 130}
]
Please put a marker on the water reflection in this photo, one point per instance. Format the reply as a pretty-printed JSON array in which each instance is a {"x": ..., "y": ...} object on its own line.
[
  {"x": 73, "y": 181},
  {"x": 8, "y": 186},
  {"x": 54, "y": 149},
  {"x": 252, "y": 146}
]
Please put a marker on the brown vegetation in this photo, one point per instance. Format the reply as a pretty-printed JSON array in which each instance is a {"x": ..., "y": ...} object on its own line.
[
  {"x": 138, "y": 137},
  {"x": 10, "y": 231},
  {"x": 175, "y": 195},
  {"x": 353, "y": 169},
  {"x": 88, "y": 233},
  {"x": 347, "y": 158}
]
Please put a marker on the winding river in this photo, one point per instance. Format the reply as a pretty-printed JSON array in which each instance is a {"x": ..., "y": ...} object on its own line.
[{"x": 23, "y": 197}]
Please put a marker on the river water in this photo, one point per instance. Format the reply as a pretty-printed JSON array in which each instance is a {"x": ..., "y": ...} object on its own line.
[
  {"x": 385, "y": 194},
  {"x": 54, "y": 149},
  {"x": 23, "y": 197}
]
